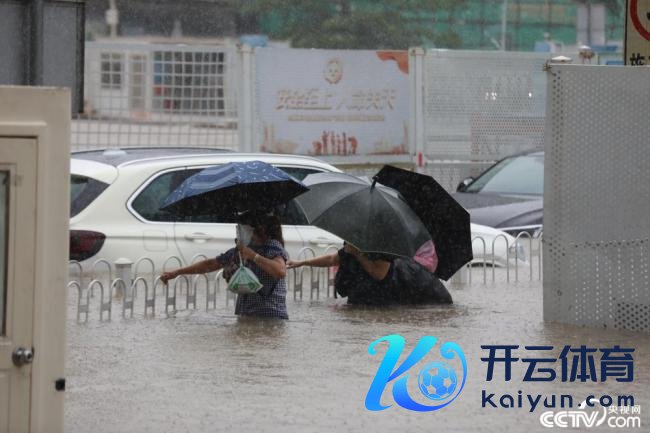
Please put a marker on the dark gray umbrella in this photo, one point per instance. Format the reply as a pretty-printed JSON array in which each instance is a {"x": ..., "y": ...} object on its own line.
[
  {"x": 370, "y": 217},
  {"x": 445, "y": 219}
]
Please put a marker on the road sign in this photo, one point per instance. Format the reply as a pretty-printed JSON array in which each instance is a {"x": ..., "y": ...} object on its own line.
[{"x": 637, "y": 33}]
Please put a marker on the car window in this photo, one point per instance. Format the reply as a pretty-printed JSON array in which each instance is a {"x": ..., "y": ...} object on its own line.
[
  {"x": 299, "y": 173},
  {"x": 83, "y": 191},
  {"x": 148, "y": 202},
  {"x": 291, "y": 214},
  {"x": 516, "y": 175}
]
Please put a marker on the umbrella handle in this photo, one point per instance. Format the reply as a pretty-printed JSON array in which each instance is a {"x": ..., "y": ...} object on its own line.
[{"x": 238, "y": 240}]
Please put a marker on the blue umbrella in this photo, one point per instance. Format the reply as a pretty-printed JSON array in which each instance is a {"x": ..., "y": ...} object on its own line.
[{"x": 233, "y": 187}]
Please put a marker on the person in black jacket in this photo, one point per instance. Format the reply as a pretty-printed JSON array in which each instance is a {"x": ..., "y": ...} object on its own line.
[{"x": 379, "y": 279}]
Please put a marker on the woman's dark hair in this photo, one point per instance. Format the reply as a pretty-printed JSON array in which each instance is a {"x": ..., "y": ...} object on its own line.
[
  {"x": 272, "y": 227},
  {"x": 267, "y": 224}
]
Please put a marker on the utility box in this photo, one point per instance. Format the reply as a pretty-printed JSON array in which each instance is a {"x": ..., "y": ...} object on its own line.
[
  {"x": 42, "y": 44},
  {"x": 596, "y": 189},
  {"x": 34, "y": 217}
]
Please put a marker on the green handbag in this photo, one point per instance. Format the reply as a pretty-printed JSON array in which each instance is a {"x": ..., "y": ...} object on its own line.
[{"x": 244, "y": 281}]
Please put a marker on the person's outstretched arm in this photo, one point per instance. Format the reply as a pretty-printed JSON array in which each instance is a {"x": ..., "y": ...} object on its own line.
[
  {"x": 317, "y": 262},
  {"x": 202, "y": 267},
  {"x": 377, "y": 269}
]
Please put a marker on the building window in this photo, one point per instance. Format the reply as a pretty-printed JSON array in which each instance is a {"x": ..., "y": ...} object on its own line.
[
  {"x": 137, "y": 82},
  {"x": 111, "y": 70},
  {"x": 189, "y": 82}
]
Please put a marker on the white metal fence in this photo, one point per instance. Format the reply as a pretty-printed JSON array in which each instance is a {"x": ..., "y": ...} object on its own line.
[
  {"x": 475, "y": 107},
  {"x": 482, "y": 105},
  {"x": 466, "y": 108},
  {"x": 99, "y": 287}
]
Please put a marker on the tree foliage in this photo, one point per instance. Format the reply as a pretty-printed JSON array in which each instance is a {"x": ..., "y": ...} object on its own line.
[{"x": 349, "y": 24}]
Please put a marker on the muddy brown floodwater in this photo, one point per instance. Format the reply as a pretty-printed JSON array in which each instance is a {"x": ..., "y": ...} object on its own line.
[{"x": 208, "y": 371}]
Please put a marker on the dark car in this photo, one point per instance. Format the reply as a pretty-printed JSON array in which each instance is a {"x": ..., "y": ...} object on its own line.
[{"x": 508, "y": 195}]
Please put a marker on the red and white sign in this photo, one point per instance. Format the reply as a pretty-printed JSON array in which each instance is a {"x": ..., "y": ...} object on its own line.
[{"x": 637, "y": 33}]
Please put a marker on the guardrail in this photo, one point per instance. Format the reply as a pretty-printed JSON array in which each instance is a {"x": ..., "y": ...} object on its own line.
[
  {"x": 511, "y": 262},
  {"x": 136, "y": 286}
]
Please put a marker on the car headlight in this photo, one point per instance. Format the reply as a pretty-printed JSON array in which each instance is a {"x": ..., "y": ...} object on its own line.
[{"x": 517, "y": 250}]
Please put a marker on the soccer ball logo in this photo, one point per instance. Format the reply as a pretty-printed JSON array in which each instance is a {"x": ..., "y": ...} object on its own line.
[{"x": 437, "y": 380}]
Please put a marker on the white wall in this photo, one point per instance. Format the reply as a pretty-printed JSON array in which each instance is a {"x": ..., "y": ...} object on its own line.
[{"x": 596, "y": 197}]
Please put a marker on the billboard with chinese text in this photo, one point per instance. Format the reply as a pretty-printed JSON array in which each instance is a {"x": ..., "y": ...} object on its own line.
[{"x": 327, "y": 102}]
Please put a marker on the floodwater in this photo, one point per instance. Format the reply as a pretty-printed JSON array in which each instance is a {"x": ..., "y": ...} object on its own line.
[{"x": 207, "y": 371}]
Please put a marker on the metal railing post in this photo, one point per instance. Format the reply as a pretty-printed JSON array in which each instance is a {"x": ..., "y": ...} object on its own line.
[
  {"x": 103, "y": 306},
  {"x": 507, "y": 256}
]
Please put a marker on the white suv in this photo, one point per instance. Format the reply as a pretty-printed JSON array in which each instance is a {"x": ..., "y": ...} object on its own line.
[{"x": 116, "y": 196}]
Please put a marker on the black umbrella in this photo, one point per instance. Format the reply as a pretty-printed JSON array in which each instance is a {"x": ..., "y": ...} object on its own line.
[
  {"x": 444, "y": 218},
  {"x": 233, "y": 187},
  {"x": 371, "y": 217}
]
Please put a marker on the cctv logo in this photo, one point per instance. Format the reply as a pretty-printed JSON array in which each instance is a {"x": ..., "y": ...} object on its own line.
[
  {"x": 580, "y": 418},
  {"x": 572, "y": 418}
]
